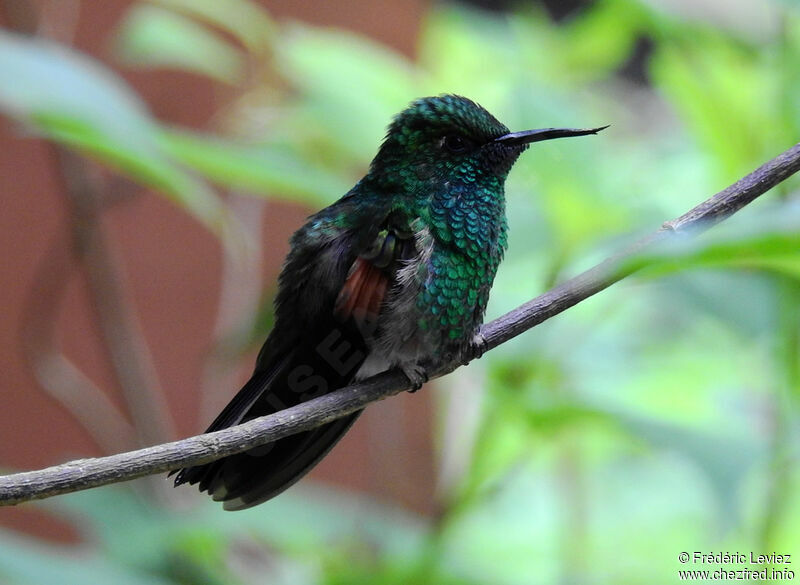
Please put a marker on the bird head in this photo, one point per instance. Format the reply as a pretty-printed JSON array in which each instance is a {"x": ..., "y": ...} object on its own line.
[{"x": 450, "y": 139}]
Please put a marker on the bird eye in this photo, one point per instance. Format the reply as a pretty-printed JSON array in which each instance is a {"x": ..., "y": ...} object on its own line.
[{"x": 455, "y": 143}]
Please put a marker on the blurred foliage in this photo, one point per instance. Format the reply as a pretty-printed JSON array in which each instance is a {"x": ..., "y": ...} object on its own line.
[
  {"x": 70, "y": 98},
  {"x": 657, "y": 417}
]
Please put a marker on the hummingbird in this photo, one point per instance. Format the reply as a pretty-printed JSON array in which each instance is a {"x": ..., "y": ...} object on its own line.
[{"x": 395, "y": 274}]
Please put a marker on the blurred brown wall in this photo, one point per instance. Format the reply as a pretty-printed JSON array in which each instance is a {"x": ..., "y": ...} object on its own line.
[{"x": 171, "y": 267}]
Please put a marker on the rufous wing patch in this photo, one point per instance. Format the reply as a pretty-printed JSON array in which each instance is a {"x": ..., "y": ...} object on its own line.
[{"x": 362, "y": 295}]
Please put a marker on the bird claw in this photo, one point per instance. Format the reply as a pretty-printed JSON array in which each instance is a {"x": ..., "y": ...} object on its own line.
[
  {"x": 477, "y": 347},
  {"x": 417, "y": 375}
]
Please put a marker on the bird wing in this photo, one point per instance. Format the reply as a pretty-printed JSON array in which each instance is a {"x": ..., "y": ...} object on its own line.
[
  {"x": 331, "y": 293},
  {"x": 373, "y": 273}
]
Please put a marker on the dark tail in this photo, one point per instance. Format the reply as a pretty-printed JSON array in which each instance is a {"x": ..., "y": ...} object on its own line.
[{"x": 252, "y": 477}]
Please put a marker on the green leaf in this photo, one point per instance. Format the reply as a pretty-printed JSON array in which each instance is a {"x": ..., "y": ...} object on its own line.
[
  {"x": 725, "y": 95},
  {"x": 244, "y": 19},
  {"x": 67, "y": 97},
  {"x": 770, "y": 242},
  {"x": 349, "y": 95},
  {"x": 600, "y": 40},
  {"x": 304, "y": 520},
  {"x": 255, "y": 168},
  {"x": 725, "y": 461},
  {"x": 27, "y": 562},
  {"x": 156, "y": 37},
  {"x": 474, "y": 53}
]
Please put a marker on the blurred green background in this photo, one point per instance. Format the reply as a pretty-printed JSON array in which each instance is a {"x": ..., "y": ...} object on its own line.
[{"x": 659, "y": 416}]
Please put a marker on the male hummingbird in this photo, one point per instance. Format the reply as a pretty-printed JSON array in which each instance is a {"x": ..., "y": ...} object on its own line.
[{"x": 394, "y": 274}]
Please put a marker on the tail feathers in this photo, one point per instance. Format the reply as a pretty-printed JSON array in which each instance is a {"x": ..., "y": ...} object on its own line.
[
  {"x": 244, "y": 481},
  {"x": 234, "y": 413},
  {"x": 252, "y": 477}
]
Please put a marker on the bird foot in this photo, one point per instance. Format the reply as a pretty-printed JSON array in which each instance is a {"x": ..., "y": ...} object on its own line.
[
  {"x": 416, "y": 374},
  {"x": 477, "y": 347}
]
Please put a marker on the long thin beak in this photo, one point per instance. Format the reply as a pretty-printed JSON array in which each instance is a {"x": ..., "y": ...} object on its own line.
[{"x": 528, "y": 136}]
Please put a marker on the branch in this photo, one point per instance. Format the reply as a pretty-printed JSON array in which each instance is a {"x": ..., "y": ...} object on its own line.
[
  {"x": 698, "y": 219},
  {"x": 88, "y": 473}
]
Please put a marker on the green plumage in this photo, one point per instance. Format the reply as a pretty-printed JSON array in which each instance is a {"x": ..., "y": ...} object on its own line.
[
  {"x": 396, "y": 273},
  {"x": 458, "y": 197}
]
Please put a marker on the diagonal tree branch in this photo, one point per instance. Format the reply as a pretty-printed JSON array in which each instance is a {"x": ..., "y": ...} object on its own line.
[
  {"x": 88, "y": 473},
  {"x": 696, "y": 220}
]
